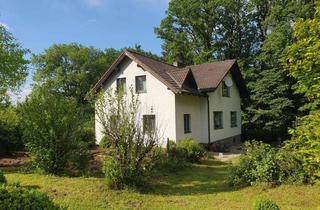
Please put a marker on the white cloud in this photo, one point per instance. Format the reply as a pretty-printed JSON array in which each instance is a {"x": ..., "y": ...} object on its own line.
[{"x": 94, "y": 3}]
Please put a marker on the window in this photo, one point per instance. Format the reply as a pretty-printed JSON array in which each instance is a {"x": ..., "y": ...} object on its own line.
[
  {"x": 187, "y": 123},
  {"x": 233, "y": 119},
  {"x": 149, "y": 123},
  {"x": 141, "y": 84},
  {"x": 225, "y": 90},
  {"x": 121, "y": 85},
  {"x": 217, "y": 120}
]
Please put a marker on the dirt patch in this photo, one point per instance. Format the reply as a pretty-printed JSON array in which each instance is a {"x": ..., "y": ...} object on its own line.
[
  {"x": 19, "y": 159},
  {"x": 16, "y": 159}
]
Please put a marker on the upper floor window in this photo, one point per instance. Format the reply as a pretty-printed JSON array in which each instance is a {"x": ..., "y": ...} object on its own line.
[
  {"x": 187, "y": 123},
  {"x": 233, "y": 116},
  {"x": 121, "y": 85},
  {"x": 149, "y": 123},
  {"x": 217, "y": 120},
  {"x": 141, "y": 84},
  {"x": 225, "y": 89}
]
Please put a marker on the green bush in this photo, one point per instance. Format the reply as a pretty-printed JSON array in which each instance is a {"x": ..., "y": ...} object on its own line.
[
  {"x": 12, "y": 197},
  {"x": 265, "y": 204},
  {"x": 189, "y": 150},
  {"x": 2, "y": 178},
  {"x": 261, "y": 163},
  {"x": 305, "y": 144},
  {"x": 131, "y": 151},
  {"x": 51, "y": 126},
  {"x": 87, "y": 135},
  {"x": 10, "y": 134}
]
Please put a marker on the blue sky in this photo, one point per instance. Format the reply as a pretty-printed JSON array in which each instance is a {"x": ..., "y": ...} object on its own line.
[{"x": 37, "y": 24}]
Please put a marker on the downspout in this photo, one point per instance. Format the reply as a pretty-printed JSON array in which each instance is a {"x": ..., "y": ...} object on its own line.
[{"x": 208, "y": 107}]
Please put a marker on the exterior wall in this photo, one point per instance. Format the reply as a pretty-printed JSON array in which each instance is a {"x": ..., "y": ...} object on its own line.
[
  {"x": 158, "y": 100},
  {"x": 196, "y": 106},
  {"x": 226, "y": 105}
]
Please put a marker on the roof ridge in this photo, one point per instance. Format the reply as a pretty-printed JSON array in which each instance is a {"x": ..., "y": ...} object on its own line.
[
  {"x": 139, "y": 53},
  {"x": 190, "y": 66}
]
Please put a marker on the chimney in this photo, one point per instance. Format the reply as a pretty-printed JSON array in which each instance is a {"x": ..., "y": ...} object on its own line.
[{"x": 178, "y": 64}]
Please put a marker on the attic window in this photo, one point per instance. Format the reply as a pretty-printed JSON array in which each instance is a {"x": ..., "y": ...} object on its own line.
[
  {"x": 225, "y": 90},
  {"x": 121, "y": 85},
  {"x": 141, "y": 84}
]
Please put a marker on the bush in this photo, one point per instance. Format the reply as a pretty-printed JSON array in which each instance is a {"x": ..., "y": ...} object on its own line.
[
  {"x": 2, "y": 178},
  {"x": 87, "y": 135},
  {"x": 262, "y": 163},
  {"x": 51, "y": 126},
  {"x": 12, "y": 197},
  {"x": 305, "y": 144},
  {"x": 10, "y": 134},
  {"x": 131, "y": 151},
  {"x": 265, "y": 204},
  {"x": 189, "y": 150}
]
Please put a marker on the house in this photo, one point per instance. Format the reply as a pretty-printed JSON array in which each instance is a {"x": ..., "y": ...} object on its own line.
[{"x": 200, "y": 101}]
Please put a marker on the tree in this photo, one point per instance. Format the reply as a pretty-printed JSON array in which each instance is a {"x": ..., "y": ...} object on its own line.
[
  {"x": 51, "y": 125},
  {"x": 274, "y": 106},
  {"x": 303, "y": 63},
  {"x": 303, "y": 59},
  {"x": 13, "y": 65},
  {"x": 201, "y": 31},
  {"x": 131, "y": 150},
  {"x": 71, "y": 69}
]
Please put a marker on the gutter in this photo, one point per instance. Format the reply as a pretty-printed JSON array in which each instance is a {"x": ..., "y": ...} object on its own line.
[{"x": 208, "y": 107}]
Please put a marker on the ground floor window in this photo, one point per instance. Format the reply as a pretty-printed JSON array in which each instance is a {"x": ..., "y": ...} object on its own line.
[
  {"x": 187, "y": 123},
  {"x": 217, "y": 120},
  {"x": 233, "y": 116},
  {"x": 149, "y": 123}
]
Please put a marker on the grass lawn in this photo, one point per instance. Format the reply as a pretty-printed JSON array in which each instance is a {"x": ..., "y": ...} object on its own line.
[{"x": 201, "y": 186}]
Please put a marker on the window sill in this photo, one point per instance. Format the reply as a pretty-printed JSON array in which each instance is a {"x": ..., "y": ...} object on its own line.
[
  {"x": 218, "y": 128},
  {"x": 187, "y": 132}
]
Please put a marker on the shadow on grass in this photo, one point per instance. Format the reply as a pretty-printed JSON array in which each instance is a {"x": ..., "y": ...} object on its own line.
[{"x": 206, "y": 178}]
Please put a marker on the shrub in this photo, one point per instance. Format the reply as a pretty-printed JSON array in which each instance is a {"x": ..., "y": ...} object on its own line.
[
  {"x": 87, "y": 135},
  {"x": 305, "y": 144},
  {"x": 265, "y": 204},
  {"x": 262, "y": 163},
  {"x": 131, "y": 151},
  {"x": 10, "y": 134},
  {"x": 189, "y": 150},
  {"x": 51, "y": 126},
  {"x": 12, "y": 197},
  {"x": 2, "y": 178}
]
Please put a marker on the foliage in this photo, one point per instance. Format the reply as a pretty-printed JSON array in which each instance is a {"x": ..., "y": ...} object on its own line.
[
  {"x": 253, "y": 32},
  {"x": 265, "y": 204},
  {"x": 303, "y": 59},
  {"x": 13, "y": 66},
  {"x": 200, "y": 186},
  {"x": 2, "y": 178},
  {"x": 50, "y": 125},
  {"x": 131, "y": 153},
  {"x": 200, "y": 31},
  {"x": 273, "y": 105},
  {"x": 10, "y": 134},
  {"x": 261, "y": 163},
  {"x": 12, "y": 197},
  {"x": 305, "y": 144},
  {"x": 189, "y": 150}
]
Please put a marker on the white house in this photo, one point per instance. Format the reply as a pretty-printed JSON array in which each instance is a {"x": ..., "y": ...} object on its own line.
[{"x": 200, "y": 101}]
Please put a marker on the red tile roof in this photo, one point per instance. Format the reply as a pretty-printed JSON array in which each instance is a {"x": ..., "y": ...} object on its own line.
[{"x": 207, "y": 76}]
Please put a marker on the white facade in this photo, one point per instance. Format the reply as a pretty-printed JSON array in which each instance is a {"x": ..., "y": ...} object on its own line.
[
  {"x": 169, "y": 108},
  {"x": 158, "y": 100}
]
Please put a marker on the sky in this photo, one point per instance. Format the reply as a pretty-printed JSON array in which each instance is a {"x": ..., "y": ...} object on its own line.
[{"x": 37, "y": 24}]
